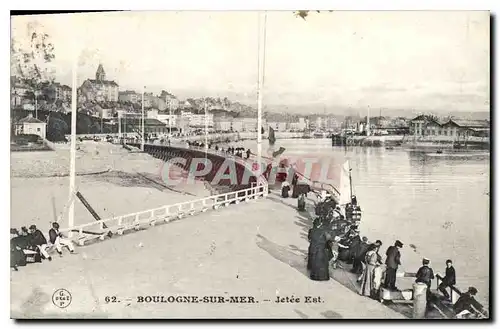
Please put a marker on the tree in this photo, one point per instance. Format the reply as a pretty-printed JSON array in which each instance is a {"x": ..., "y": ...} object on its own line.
[{"x": 29, "y": 59}]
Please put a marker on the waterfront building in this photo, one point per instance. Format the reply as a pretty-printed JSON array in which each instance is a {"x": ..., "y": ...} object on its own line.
[
  {"x": 151, "y": 126},
  {"x": 429, "y": 126},
  {"x": 223, "y": 123},
  {"x": 278, "y": 126},
  {"x": 198, "y": 120},
  {"x": 99, "y": 89},
  {"x": 30, "y": 126}
]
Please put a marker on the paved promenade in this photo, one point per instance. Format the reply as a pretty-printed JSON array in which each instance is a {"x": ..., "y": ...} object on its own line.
[{"x": 252, "y": 249}]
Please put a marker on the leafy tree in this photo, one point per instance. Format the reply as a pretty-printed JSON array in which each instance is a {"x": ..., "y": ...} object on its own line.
[{"x": 29, "y": 59}]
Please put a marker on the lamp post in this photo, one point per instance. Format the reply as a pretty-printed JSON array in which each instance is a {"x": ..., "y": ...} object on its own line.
[
  {"x": 72, "y": 171},
  {"x": 36, "y": 103},
  {"x": 142, "y": 142}
]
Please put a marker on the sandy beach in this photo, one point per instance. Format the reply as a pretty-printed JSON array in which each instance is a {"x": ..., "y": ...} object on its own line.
[{"x": 125, "y": 182}]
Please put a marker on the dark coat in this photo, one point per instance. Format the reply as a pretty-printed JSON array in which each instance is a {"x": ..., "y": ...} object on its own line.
[
  {"x": 284, "y": 191},
  {"x": 355, "y": 246},
  {"x": 53, "y": 234},
  {"x": 362, "y": 250},
  {"x": 465, "y": 302},
  {"x": 22, "y": 241},
  {"x": 450, "y": 278},
  {"x": 425, "y": 275},
  {"x": 318, "y": 254},
  {"x": 38, "y": 239},
  {"x": 17, "y": 257},
  {"x": 393, "y": 259}
]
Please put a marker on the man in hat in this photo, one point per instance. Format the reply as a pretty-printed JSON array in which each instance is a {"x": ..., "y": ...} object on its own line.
[
  {"x": 449, "y": 280},
  {"x": 425, "y": 274},
  {"x": 39, "y": 240},
  {"x": 392, "y": 262},
  {"x": 58, "y": 240},
  {"x": 467, "y": 304}
]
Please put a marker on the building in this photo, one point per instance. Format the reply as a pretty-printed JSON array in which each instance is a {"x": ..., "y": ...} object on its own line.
[
  {"x": 100, "y": 89},
  {"x": 129, "y": 96},
  {"x": 17, "y": 91},
  {"x": 223, "y": 123},
  {"x": 277, "y": 126},
  {"x": 171, "y": 102},
  {"x": 198, "y": 120},
  {"x": 151, "y": 126},
  {"x": 424, "y": 125},
  {"x": 30, "y": 126},
  {"x": 62, "y": 92}
]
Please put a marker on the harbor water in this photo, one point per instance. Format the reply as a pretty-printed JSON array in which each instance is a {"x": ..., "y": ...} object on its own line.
[{"x": 439, "y": 208}]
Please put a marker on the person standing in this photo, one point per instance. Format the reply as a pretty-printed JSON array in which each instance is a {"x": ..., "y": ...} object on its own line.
[
  {"x": 318, "y": 255},
  {"x": 392, "y": 262},
  {"x": 367, "y": 282},
  {"x": 39, "y": 240},
  {"x": 58, "y": 240},
  {"x": 360, "y": 255},
  {"x": 449, "y": 280}
]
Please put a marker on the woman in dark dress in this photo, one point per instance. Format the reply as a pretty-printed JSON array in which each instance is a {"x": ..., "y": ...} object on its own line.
[{"x": 319, "y": 253}]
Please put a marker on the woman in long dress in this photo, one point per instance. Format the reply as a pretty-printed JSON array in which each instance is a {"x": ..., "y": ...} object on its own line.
[
  {"x": 319, "y": 253},
  {"x": 367, "y": 283}
]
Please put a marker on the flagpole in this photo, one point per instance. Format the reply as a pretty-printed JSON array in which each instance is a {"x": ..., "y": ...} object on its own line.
[
  {"x": 206, "y": 129},
  {"x": 142, "y": 124},
  {"x": 260, "y": 84},
  {"x": 72, "y": 170}
]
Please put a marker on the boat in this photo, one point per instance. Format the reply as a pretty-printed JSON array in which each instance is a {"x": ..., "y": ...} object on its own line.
[{"x": 458, "y": 155}]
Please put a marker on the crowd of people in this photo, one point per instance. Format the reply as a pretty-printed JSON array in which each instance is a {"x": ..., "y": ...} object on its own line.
[
  {"x": 31, "y": 246},
  {"x": 335, "y": 242},
  {"x": 230, "y": 150}
]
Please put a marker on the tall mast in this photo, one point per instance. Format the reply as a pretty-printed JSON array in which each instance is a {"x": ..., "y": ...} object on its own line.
[
  {"x": 261, "y": 68},
  {"x": 350, "y": 180}
]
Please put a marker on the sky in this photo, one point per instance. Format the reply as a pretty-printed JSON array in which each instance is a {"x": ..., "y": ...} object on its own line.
[{"x": 425, "y": 60}]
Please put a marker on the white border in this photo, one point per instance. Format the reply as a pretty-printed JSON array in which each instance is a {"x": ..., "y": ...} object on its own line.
[{"x": 200, "y": 5}]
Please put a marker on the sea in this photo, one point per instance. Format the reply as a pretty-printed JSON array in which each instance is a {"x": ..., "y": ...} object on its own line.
[{"x": 439, "y": 208}]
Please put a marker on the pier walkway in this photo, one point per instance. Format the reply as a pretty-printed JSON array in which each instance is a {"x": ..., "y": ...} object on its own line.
[{"x": 253, "y": 249}]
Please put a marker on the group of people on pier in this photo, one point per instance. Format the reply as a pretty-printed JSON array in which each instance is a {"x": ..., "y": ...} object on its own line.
[
  {"x": 335, "y": 241},
  {"x": 231, "y": 150},
  {"x": 31, "y": 246}
]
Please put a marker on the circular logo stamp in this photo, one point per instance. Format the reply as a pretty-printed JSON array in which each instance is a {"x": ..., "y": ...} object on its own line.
[{"x": 61, "y": 298}]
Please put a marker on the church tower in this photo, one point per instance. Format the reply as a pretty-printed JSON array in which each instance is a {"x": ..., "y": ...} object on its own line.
[{"x": 100, "y": 75}]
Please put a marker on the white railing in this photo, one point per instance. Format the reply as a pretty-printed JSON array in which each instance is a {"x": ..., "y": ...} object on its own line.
[{"x": 163, "y": 214}]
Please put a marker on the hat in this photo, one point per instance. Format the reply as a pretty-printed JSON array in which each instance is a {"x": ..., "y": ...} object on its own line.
[
  {"x": 14, "y": 231},
  {"x": 398, "y": 244},
  {"x": 472, "y": 290},
  {"x": 33, "y": 227}
]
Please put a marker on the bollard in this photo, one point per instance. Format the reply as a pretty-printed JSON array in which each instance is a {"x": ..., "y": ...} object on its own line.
[{"x": 419, "y": 300}]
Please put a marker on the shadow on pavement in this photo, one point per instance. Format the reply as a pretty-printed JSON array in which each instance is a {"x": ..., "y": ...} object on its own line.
[{"x": 295, "y": 258}]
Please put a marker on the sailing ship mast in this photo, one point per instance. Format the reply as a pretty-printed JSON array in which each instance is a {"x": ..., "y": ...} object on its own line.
[{"x": 260, "y": 83}]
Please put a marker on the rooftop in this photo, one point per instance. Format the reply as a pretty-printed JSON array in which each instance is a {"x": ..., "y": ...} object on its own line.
[
  {"x": 29, "y": 119},
  {"x": 103, "y": 82}
]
